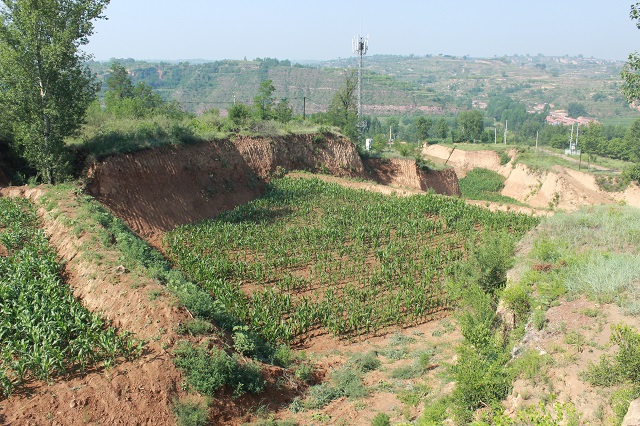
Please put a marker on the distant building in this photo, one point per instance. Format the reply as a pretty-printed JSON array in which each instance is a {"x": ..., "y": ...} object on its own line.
[{"x": 561, "y": 117}]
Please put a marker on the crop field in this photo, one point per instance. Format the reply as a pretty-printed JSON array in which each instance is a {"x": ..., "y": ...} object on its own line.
[
  {"x": 44, "y": 331},
  {"x": 311, "y": 255}
]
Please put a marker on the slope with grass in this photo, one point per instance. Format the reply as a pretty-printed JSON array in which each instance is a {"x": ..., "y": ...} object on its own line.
[{"x": 538, "y": 180}]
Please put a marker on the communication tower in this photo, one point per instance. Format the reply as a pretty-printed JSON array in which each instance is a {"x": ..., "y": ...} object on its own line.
[{"x": 360, "y": 47}]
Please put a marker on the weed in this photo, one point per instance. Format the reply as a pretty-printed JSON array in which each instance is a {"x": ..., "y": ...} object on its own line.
[
  {"x": 539, "y": 320},
  {"x": 196, "y": 327},
  {"x": 190, "y": 413},
  {"x": 414, "y": 395},
  {"x": 532, "y": 365},
  {"x": 366, "y": 361},
  {"x": 381, "y": 419},
  {"x": 210, "y": 370},
  {"x": 303, "y": 372}
]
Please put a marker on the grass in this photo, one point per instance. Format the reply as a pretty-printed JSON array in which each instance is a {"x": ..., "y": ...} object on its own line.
[{"x": 484, "y": 184}]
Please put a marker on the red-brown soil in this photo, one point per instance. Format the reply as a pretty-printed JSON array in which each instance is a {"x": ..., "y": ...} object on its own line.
[
  {"x": 406, "y": 173},
  {"x": 156, "y": 190},
  {"x": 153, "y": 191},
  {"x": 135, "y": 392}
]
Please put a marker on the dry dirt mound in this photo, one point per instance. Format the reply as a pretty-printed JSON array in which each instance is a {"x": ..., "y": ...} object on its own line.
[
  {"x": 406, "y": 173},
  {"x": 560, "y": 187},
  {"x": 578, "y": 333},
  {"x": 463, "y": 161},
  {"x": 156, "y": 190}
]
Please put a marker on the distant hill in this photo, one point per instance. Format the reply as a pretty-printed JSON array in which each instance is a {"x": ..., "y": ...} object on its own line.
[{"x": 395, "y": 85}]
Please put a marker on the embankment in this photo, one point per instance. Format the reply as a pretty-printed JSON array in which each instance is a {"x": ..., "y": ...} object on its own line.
[{"x": 156, "y": 190}]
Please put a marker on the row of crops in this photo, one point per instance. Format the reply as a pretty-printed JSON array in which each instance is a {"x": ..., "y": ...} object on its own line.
[
  {"x": 44, "y": 331},
  {"x": 311, "y": 256}
]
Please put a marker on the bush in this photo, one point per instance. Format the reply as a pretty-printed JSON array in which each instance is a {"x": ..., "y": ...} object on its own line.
[
  {"x": 632, "y": 173},
  {"x": 381, "y": 419},
  {"x": 480, "y": 381},
  {"x": 210, "y": 370},
  {"x": 624, "y": 365},
  {"x": 190, "y": 413},
  {"x": 367, "y": 361},
  {"x": 504, "y": 158},
  {"x": 518, "y": 300}
]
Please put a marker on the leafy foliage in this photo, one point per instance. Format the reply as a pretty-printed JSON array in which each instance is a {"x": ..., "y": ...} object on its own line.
[
  {"x": 46, "y": 86},
  {"x": 208, "y": 370}
]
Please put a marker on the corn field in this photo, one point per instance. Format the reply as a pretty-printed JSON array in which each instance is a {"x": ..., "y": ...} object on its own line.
[
  {"x": 44, "y": 331},
  {"x": 312, "y": 257}
]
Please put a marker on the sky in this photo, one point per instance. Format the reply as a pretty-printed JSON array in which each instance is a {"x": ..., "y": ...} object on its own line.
[{"x": 321, "y": 30}]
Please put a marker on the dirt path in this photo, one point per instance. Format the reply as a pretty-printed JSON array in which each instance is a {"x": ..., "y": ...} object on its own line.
[
  {"x": 573, "y": 160},
  {"x": 360, "y": 184}
]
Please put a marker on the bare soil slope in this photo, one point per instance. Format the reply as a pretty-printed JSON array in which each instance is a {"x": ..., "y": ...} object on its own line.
[
  {"x": 154, "y": 191},
  {"x": 560, "y": 187}
]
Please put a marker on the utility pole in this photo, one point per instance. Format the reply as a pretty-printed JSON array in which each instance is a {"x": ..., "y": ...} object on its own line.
[
  {"x": 304, "y": 107},
  {"x": 537, "y": 141},
  {"x": 360, "y": 47},
  {"x": 506, "y": 127},
  {"x": 495, "y": 136}
]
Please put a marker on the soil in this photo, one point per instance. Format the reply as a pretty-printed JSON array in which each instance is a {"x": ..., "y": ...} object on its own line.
[
  {"x": 154, "y": 191},
  {"x": 563, "y": 378},
  {"x": 560, "y": 188}
]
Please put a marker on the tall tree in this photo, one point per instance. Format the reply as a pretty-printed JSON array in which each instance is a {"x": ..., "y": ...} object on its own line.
[
  {"x": 343, "y": 111},
  {"x": 471, "y": 124},
  {"x": 423, "y": 127},
  {"x": 631, "y": 71},
  {"x": 264, "y": 100},
  {"x": 45, "y": 86}
]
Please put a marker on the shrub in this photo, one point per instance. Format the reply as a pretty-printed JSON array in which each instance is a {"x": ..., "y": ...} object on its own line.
[
  {"x": 518, "y": 300},
  {"x": 366, "y": 361},
  {"x": 190, "y": 413},
  {"x": 381, "y": 419},
  {"x": 210, "y": 370},
  {"x": 480, "y": 381},
  {"x": 504, "y": 158}
]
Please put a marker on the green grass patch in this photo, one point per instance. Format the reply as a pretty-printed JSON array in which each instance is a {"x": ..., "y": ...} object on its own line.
[{"x": 484, "y": 184}]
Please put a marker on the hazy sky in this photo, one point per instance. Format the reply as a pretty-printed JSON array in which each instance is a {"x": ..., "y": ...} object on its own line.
[{"x": 309, "y": 29}]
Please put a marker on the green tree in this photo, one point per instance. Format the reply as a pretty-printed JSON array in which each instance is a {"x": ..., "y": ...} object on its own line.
[
  {"x": 423, "y": 127},
  {"x": 118, "y": 81},
  {"x": 123, "y": 99},
  {"x": 442, "y": 129},
  {"x": 576, "y": 110},
  {"x": 264, "y": 101},
  {"x": 471, "y": 125},
  {"x": 46, "y": 84},
  {"x": 631, "y": 70},
  {"x": 283, "y": 111},
  {"x": 239, "y": 114},
  {"x": 343, "y": 111}
]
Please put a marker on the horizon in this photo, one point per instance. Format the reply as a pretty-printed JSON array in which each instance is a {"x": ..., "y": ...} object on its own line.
[{"x": 285, "y": 30}]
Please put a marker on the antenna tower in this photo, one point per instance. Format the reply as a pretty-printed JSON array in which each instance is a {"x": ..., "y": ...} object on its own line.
[{"x": 360, "y": 47}]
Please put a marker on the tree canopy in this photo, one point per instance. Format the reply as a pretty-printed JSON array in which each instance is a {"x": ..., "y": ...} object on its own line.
[
  {"x": 45, "y": 86},
  {"x": 631, "y": 71}
]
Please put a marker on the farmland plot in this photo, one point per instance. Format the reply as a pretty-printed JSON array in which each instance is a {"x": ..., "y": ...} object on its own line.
[
  {"x": 44, "y": 331},
  {"x": 313, "y": 257}
]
